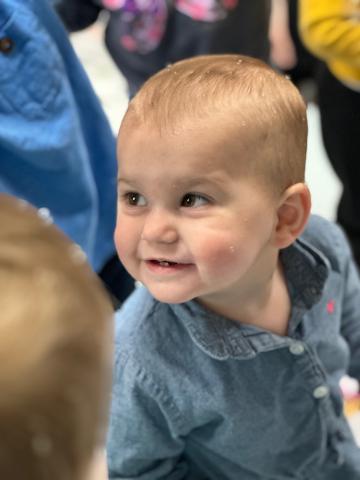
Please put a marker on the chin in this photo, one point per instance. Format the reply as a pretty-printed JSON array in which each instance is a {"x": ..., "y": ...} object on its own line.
[{"x": 167, "y": 296}]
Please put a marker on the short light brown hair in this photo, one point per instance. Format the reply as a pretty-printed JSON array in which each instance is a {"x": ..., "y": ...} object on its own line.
[
  {"x": 238, "y": 93},
  {"x": 55, "y": 350}
]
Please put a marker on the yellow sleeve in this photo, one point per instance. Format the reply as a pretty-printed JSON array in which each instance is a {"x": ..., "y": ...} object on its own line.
[{"x": 331, "y": 29}]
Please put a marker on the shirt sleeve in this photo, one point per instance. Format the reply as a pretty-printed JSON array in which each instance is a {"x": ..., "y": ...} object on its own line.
[
  {"x": 331, "y": 29},
  {"x": 143, "y": 442}
]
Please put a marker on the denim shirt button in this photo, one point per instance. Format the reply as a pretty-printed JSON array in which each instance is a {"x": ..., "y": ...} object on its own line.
[
  {"x": 297, "y": 348},
  {"x": 6, "y": 45},
  {"x": 321, "y": 391}
]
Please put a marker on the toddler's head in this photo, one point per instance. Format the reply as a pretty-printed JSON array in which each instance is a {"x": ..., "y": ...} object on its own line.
[
  {"x": 256, "y": 114},
  {"x": 211, "y": 177},
  {"x": 55, "y": 351}
]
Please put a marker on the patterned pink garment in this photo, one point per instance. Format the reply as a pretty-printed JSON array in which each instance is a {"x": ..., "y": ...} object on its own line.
[
  {"x": 202, "y": 10},
  {"x": 113, "y": 4},
  {"x": 144, "y": 21}
]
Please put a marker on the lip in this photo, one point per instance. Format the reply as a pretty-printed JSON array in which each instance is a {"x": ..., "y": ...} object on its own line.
[{"x": 166, "y": 267}]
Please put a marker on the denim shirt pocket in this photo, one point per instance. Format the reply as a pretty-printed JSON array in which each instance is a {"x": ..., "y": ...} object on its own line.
[{"x": 31, "y": 70}]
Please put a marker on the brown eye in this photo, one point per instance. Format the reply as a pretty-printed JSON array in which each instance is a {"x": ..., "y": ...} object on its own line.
[
  {"x": 135, "y": 199},
  {"x": 188, "y": 200},
  {"x": 193, "y": 200}
]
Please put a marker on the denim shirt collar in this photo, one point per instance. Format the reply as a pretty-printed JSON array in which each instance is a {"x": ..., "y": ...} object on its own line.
[{"x": 306, "y": 271}]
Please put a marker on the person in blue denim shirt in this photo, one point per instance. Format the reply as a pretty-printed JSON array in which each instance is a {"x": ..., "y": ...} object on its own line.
[
  {"x": 57, "y": 150},
  {"x": 228, "y": 359}
]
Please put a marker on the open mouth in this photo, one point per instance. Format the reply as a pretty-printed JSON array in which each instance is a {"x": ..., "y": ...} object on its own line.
[
  {"x": 166, "y": 265},
  {"x": 163, "y": 263}
]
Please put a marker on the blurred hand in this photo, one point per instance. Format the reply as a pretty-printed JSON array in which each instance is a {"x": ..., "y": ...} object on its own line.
[
  {"x": 282, "y": 49},
  {"x": 98, "y": 468},
  {"x": 282, "y": 52}
]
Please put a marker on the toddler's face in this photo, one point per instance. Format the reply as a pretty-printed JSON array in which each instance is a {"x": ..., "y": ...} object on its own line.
[{"x": 190, "y": 223}]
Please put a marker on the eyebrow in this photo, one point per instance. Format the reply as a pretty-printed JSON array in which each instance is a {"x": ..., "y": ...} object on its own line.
[
  {"x": 188, "y": 182},
  {"x": 123, "y": 180},
  {"x": 199, "y": 181}
]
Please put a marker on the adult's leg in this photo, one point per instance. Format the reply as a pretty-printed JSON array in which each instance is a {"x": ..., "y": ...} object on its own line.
[
  {"x": 183, "y": 38},
  {"x": 340, "y": 123},
  {"x": 244, "y": 30},
  {"x": 136, "y": 67}
]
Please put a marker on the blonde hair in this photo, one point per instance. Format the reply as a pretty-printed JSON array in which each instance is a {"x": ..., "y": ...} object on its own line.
[
  {"x": 237, "y": 93},
  {"x": 55, "y": 350}
]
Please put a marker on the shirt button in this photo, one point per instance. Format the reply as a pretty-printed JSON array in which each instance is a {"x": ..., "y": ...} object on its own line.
[
  {"x": 297, "y": 348},
  {"x": 6, "y": 45},
  {"x": 321, "y": 391}
]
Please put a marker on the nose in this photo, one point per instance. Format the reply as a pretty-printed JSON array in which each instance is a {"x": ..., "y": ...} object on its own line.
[{"x": 159, "y": 227}]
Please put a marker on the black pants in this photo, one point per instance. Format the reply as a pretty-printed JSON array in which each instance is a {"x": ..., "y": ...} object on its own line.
[
  {"x": 340, "y": 123},
  {"x": 244, "y": 30}
]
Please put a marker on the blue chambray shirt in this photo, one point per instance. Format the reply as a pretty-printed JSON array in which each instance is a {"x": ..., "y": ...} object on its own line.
[
  {"x": 56, "y": 146},
  {"x": 197, "y": 396}
]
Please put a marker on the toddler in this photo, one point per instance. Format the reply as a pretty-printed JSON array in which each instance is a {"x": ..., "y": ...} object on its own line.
[
  {"x": 55, "y": 352},
  {"x": 228, "y": 359}
]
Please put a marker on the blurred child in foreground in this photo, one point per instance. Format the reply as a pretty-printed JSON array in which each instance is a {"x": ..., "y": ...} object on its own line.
[
  {"x": 55, "y": 352},
  {"x": 228, "y": 361}
]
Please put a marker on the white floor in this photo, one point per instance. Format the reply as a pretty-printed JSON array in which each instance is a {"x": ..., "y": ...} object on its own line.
[{"x": 111, "y": 89}]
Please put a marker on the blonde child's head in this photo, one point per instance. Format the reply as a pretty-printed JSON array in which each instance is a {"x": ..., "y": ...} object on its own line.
[
  {"x": 211, "y": 179},
  {"x": 257, "y": 109},
  {"x": 55, "y": 350}
]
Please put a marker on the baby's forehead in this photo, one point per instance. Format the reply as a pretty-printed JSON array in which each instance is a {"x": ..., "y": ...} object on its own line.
[
  {"x": 215, "y": 142},
  {"x": 228, "y": 125}
]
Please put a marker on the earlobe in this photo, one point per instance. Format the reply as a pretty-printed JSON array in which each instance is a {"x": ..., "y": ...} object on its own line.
[{"x": 292, "y": 214}]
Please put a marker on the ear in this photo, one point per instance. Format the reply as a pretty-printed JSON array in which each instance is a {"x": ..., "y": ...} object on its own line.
[{"x": 292, "y": 214}]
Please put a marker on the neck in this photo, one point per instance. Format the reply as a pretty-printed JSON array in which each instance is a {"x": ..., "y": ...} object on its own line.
[{"x": 266, "y": 306}]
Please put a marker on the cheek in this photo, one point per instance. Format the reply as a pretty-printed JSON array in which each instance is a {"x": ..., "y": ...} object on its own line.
[
  {"x": 125, "y": 239},
  {"x": 120, "y": 244},
  {"x": 218, "y": 253}
]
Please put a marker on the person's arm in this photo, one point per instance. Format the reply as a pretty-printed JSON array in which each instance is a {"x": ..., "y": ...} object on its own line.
[
  {"x": 331, "y": 29},
  {"x": 143, "y": 440},
  {"x": 77, "y": 14},
  {"x": 282, "y": 52},
  {"x": 98, "y": 467}
]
